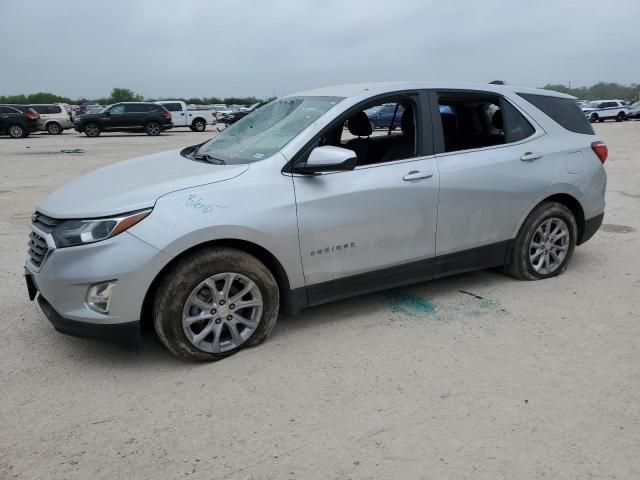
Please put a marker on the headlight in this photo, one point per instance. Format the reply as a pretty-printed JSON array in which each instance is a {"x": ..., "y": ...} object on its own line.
[{"x": 79, "y": 232}]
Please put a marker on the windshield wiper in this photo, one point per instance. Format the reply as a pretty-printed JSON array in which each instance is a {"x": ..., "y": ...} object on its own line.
[{"x": 205, "y": 157}]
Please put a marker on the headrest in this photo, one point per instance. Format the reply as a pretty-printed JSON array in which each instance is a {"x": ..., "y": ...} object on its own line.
[
  {"x": 407, "y": 125},
  {"x": 496, "y": 120},
  {"x": 449, "y": 123},
  {"x": 359, "y": 125}
]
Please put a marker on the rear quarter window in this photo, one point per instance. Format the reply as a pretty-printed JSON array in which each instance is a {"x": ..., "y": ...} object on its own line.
[
  {"x": 53, "y": 109},
  {"x": 40, "y": 109},
  {"x": 564, "y": 111}
]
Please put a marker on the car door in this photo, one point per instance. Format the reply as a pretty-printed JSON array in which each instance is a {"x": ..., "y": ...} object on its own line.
[
  {"x": 485, "y": 189},
  {"x": 113, "y": 118},
  {"x": 5, "y": 115},
  {"x": 372, "y": 227},
  {"x": 178, "y": 116},
  {"x": 135, "y": 115}
]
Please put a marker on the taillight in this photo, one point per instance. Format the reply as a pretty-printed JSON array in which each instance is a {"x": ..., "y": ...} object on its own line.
[
  {"x": 167, "y": 115},
  {"x": 32, "y": 116},
  {"x": 601, "y": 150}
]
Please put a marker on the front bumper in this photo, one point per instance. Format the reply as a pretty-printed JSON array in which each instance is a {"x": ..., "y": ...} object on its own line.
[
  {"x": 126, "y": 335},
  {"x": 66, "y": 274}
]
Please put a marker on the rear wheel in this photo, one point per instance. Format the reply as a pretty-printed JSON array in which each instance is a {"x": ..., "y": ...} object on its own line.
[
  {"x": 214, "y": 302},
  {"x": 544, "y": 244},
  {"x": 54, "y": 128},
  {"x": 92, "y": 129},
  {"x": 198, "y": 125},
  {"x": 153, "y": 129},
  {"x": 17, "y": 131},
  {"x": 620, "y": 117}
]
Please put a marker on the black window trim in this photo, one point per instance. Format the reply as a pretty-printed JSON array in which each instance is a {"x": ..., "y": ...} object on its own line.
[
  {"x": 436, "y": 122},
  {"x": 424, "y": 143}
]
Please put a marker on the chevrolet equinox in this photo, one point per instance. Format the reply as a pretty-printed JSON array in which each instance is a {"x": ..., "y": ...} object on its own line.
[{"x": 302, "y": 203}]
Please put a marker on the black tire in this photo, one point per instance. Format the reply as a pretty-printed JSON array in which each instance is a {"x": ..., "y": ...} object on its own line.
[
  {"x": 54, "y": 128},
  {"x": 153, "y": 129},
  {"x": 519, "y": 265},
  {"x": 593, "y": 118},
  {"x": 178, "y": 283},
  {"x": 198, "y": 125},
  {"x": 620, "y": 117},
  {"x": 17, "y": 131},
  {"x": 92, "y": 129}
]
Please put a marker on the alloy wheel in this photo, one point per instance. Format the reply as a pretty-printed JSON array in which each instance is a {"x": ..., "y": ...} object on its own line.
[
  {"x": 153, "y": 129},
  {"x": 549, "y": 246},
  {"x": 222, "y": 312},
  {"x": 16, "y": 131},
  {"x": 92, "y": 130}
]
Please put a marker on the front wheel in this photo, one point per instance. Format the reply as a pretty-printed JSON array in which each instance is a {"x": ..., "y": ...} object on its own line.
[
  {"x": 544, "y": 244},
  {"x": 620, "y": 117},
  {"x": 17, "y": 131},
  {"x": 198, "y": 125},
  {"x": 593, "y": 118},
  {"x": 153, "y": 129},
  {"x": 214, "y": 302}
]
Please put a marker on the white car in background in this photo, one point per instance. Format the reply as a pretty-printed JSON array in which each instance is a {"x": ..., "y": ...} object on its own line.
[
  {"x": 54, "y": 118},
  {"x": 634, "y": 110},
  {"x": 601, "y": 110},
  {"x": 222, "y": 111},
  {"x": 181, "y": 116}
]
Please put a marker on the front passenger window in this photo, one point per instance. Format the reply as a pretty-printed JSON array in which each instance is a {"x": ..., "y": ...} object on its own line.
[{"x": 117, "y": 109}]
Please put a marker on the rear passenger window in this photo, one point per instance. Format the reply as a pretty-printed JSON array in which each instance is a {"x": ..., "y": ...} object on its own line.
[
  {"x": 53, "y": 109},
  {"x": 7, "y": 110},
  {"x": 564, "y": 111},
  {"x": 135, "y": 108},
  {"x": 474, "y": 120},
  {"x": 173, "y": 107},
  {"x": 40, "y": 108}
]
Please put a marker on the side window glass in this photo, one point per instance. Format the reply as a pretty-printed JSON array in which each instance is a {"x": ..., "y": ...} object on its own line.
[
  {"x": 516, "y": 127},
  {"x": 378, "y": 133},
  {"x": 5, "y": 110},
  {"x": 40, "y": 109},
  {"x": 117, "y": 109},
  {"x": 473, "y": 120},
  {"x": 133, "y": 108},
  {"x": 54, "y": 109}
]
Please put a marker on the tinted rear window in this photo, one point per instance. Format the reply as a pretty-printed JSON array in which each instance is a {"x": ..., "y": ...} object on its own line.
[
  {"x": 173, "y": 107},
  {"x": 54, "y": 109},
  {"x": 564, "y": 111},
  {"x": 40, "y": 108}
]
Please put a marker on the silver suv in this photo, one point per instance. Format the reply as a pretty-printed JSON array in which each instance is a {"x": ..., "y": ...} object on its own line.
[{"x": 301, "y": 203}]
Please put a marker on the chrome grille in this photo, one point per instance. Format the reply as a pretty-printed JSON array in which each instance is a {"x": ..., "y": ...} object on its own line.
[{"x": 38, "y": 248}]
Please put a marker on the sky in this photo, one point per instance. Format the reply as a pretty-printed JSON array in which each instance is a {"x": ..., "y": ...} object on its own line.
[{"x": 196, "y": 48}]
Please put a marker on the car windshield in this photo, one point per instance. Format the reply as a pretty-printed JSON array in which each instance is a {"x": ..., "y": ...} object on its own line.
[{"x": 266, "y": 130}]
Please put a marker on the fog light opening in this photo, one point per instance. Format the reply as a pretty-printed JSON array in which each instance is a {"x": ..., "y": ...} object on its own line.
[{"x": 99, "y": 296}]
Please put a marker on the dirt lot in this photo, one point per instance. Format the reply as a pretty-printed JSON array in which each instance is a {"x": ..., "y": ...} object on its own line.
[{"x": 532, "y": 380}]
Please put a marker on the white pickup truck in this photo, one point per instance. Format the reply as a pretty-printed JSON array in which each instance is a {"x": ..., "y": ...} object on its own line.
[{"x": 196, "y": 120}]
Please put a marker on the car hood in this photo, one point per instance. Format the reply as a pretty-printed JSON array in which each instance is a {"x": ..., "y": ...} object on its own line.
[{"x": 132, "y": 185}]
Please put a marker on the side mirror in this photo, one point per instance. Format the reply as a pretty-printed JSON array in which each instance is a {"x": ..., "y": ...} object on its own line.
[
  {"x": 108, "y": 113},
  {"x": 328, "y": 159}
]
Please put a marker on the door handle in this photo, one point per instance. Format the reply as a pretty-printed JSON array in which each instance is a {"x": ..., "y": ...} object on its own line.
[
  {"x": 416, "y": 175},
  {"x": 530, "y": 157}
]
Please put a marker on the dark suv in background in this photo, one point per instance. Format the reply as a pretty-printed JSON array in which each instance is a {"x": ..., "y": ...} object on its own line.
[
  {"x": 18, "y": 121},
  {"x": 125, "y": 117}
]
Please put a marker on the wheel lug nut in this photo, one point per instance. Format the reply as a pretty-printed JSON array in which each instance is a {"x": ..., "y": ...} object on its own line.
[
  {"x": 232, "y": 306},
  {"x": 218, "y": 320},
  {"x": 213, "y": 311},
  {"x": 221, "y": 302},
  {"x": 229, "y": 317}
]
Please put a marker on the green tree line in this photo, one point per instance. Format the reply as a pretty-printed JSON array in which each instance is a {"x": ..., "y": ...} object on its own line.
[
  {"x": 601, "y": 90},
  {"x": 120, "y": 95}
]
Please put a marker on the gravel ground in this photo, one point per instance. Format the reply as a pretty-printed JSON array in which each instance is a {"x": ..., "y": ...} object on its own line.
[{"x": 524, "y": 380}]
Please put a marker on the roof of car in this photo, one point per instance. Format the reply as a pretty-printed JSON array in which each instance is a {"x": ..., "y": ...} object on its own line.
[{"x": 375, "y": 88}]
